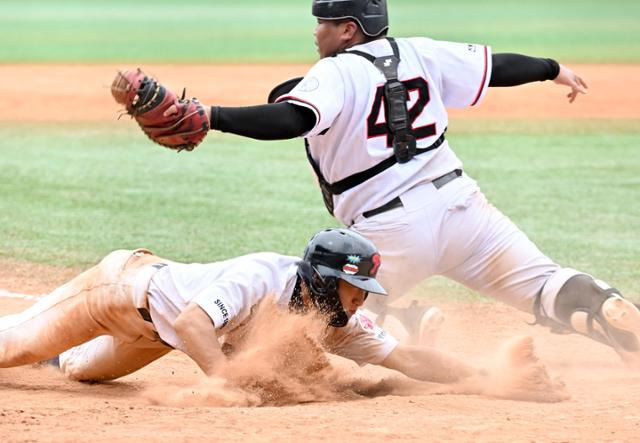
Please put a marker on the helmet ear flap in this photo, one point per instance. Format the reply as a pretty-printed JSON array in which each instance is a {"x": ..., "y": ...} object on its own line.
[
  {"x": 323, "y": 291},
  {"x": 321, "y": 284},
  {"x": 315, "y": 280}
]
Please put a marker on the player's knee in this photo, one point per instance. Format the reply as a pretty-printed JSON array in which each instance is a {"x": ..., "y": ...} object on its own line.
[
  {"x": 573, "y": 300},
  {"x": 567, "y": 291}
]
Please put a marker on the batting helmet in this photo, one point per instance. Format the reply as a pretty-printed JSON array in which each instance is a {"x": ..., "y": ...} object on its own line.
[
  {"x": 335, "y": 254},
  {"x": 371, "y": 15}
]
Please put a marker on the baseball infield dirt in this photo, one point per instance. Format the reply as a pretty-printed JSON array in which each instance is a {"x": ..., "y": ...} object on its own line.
[
  {"x": 614, "y": 91},
  {"x": 169, "y": 401}
]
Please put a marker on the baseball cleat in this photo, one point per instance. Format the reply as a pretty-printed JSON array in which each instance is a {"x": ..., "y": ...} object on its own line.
[
  {"x": 430, "y": 326},
  {"x": 423, "y": 323},
  {"x": 413, "y": 325},
  {"x": 623, "y": 317}
]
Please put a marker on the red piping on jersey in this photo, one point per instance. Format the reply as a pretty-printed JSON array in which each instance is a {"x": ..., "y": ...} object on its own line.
[
  {"x": 292, "y": 97},
  {"x": 484, "y": 78}
]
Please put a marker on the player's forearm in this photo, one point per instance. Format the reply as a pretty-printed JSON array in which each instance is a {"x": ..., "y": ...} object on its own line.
[
  {"x": 429, "y": 364},
  {"x": 278, "y": 121},
  {"x": 197, "y": 332},
  {"x": 517, "y": 69}
]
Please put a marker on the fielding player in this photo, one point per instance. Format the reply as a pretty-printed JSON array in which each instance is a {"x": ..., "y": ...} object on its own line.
[{"x": 373, "y": 112}]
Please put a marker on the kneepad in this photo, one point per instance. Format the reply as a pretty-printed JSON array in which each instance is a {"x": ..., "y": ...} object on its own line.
[{"x": 578, "y": 305}]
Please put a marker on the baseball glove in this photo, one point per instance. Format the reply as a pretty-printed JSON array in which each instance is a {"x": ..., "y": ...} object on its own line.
[{"x": 171, "y": 121}]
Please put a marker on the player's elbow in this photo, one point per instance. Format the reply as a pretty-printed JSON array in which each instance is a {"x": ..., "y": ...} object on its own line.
[
  {"x": 182, "y": 323},
  {"x": 192, "y": 322}
]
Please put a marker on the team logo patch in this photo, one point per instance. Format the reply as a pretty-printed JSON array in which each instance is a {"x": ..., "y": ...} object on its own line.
[
  {"x": 308, "y": 84},
  {"x": 366, "y": 322},
  {"x": 350, "y": 269}
]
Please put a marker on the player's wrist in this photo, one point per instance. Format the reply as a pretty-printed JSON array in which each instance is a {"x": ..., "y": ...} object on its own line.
[
  {"x": 553, "y": 67},
  {"x": 213, "y": 113}
]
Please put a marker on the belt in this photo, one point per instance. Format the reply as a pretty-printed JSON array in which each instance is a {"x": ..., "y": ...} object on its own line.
[
  {"x": 146, "y": 316},
  {"x": 397, "y": 203}
]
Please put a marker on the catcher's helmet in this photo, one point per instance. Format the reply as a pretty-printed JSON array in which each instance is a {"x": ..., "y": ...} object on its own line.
[
  {"x": 371, "y": 15},
  {"x": 335, "y": 254}
]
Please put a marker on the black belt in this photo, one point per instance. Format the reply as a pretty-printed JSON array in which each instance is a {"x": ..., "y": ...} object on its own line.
[
  {"x": 397, "y": 203},
  {"x": 146, "y": 316}
]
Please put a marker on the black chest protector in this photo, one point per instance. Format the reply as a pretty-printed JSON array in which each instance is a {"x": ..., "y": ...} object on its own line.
[{"x": 398, "y": 126}]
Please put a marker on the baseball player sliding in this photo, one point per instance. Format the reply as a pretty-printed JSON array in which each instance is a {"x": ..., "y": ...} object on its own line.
[
  {"x": 373, "y": 113},
  {"x": 134, "y": 307}
]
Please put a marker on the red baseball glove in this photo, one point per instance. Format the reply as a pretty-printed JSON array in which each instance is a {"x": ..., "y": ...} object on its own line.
[{"x": 170, "y": 121}]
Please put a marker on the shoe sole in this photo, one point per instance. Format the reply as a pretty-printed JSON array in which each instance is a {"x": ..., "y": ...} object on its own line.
[
  {"x": 623, "y": 315},
  {"x": 430, "y": 326}
]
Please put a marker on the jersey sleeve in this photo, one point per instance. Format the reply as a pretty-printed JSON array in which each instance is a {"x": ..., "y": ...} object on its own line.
[
  {"x": 226, "y": 299},
  {"x": 464, "y": 70},
  {"x": 362, "y": 341},
  {"x": 322, "y": 91}
]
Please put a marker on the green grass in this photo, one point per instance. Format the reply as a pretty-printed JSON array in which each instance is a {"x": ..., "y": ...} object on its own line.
[
  {"x": 71, "y": 193},
  {"x": 146, "y": 31}
]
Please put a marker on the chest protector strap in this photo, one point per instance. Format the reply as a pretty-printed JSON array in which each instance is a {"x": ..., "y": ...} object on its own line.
[
  {"x": 395, "y": 103},
  {"x": 398, "y": 125}
]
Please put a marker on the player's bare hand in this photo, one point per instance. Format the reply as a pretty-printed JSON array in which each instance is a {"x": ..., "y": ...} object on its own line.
[{"x": 568, "y": 78}]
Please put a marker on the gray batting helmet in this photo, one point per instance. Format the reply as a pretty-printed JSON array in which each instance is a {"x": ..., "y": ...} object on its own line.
[
  {"x": 335, "y": 254},
  {"x": 371, "y": 15}
]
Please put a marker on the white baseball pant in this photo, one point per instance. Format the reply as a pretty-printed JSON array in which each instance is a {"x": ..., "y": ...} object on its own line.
[
  {"x": 455, "y": 232},
  {"x": 94, "y": 318}
]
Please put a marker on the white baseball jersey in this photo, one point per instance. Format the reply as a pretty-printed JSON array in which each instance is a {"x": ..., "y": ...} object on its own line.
[
  {"x": 451, "y": 231},
  {"x": 227, "y": 291},
  {"x": 350, "y": 133}
]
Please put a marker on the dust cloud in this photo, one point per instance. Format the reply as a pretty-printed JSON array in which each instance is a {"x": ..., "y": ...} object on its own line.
[{"x": 279, "y": 359}]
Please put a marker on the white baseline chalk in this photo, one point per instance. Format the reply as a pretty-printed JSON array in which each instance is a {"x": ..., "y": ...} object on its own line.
[{"x": 7, "y": 294}]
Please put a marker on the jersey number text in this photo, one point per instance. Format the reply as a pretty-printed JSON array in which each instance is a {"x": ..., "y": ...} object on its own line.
[{"x": 376, "y": 129}]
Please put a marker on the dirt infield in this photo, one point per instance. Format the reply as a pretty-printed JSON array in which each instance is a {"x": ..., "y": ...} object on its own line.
[
  {"x": 81, "y": 93},
  {"x": 39, "y": 405}
]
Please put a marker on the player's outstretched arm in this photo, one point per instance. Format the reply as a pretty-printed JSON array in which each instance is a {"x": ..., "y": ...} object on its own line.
[
  {"x": 516, "y": 373},
  {"x": 273, "y": 121},
  {"x": 568, "y": 78},
  {"x": 429, "y": 364},
  {"x": 197, "y": 332},
  {"x": 517, "y": 69}
]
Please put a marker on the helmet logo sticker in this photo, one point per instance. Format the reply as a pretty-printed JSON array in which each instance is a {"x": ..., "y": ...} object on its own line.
[{"x": 350, "y": 269}]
